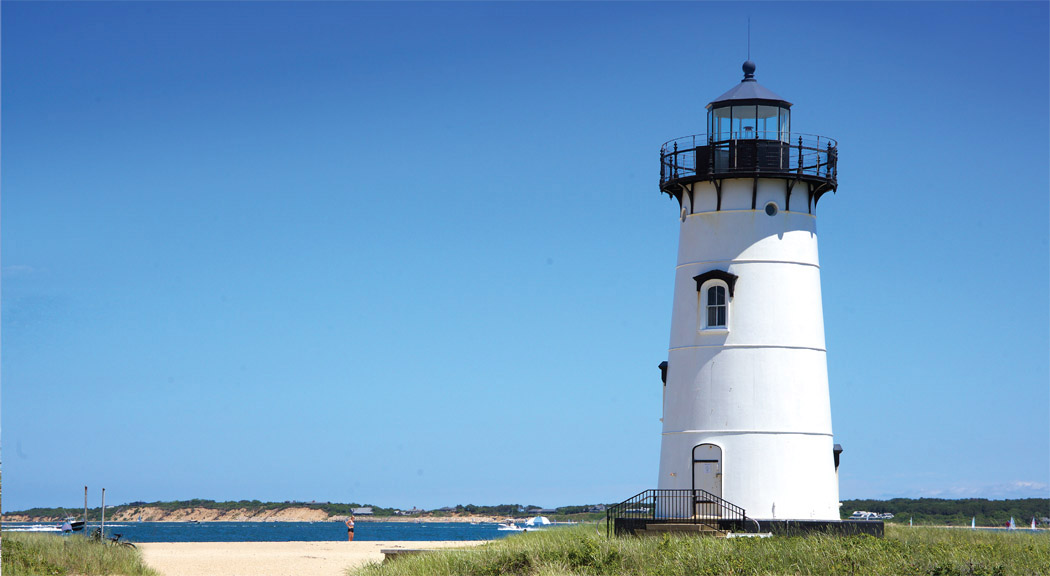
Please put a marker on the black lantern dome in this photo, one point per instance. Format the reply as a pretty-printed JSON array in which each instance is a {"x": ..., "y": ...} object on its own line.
[{"x": 749, "y": 136}]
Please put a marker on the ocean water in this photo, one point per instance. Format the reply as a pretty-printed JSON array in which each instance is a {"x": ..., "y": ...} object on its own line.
[{"x": 294, "y": 531}]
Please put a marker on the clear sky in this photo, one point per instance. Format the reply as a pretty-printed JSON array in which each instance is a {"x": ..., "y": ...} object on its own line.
[{"x": 415, "y": 254}]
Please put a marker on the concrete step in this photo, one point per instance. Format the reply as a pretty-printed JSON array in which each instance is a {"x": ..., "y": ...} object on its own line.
[
  {"x": 672, "y": 527},
  {"x": 656, "y": 529}
]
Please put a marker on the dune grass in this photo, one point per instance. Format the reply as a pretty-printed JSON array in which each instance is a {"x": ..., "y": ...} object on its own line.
[
  {"x": 586, "y": 550},
  {"x": 54, "y": 555}
]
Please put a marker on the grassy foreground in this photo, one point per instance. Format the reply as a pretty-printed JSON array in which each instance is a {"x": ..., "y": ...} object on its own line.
[
  {"x": 54, "y": 555},
  {"x": 586, "y": 550}
]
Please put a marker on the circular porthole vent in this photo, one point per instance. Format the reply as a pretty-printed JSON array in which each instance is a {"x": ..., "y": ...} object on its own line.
[{"x": 771, "y": 209}]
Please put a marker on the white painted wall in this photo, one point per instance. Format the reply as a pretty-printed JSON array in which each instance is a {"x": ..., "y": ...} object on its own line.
[{"x": 760, "y": 389}]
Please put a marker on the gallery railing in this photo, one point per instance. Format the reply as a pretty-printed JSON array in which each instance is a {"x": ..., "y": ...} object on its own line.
[{"x": 749, "y": 154}]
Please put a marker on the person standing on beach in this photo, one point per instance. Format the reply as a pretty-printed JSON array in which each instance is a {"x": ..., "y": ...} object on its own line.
[{"x": 350, "y": 528}]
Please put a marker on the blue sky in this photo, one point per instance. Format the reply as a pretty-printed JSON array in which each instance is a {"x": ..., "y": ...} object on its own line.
[{"x": 415, "y": 254}]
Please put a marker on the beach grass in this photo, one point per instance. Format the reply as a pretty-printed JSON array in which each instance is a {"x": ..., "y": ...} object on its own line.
[
  {"x": 54, "y": 555},
  {"x": 586, "y": 550}
]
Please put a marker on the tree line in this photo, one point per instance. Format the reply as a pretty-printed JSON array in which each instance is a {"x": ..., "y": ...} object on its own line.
[{"x": 958, "y": 512}]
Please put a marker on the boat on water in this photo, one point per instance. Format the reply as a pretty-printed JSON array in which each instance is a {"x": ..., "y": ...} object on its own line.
[
  {"x": 69, "y": 524},
  {"x": 509, "y": 526},
  {"x": 34, "y": 528}
]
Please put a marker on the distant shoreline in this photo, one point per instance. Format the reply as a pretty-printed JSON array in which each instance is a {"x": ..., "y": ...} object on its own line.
[{"x": 287, "y": 515}]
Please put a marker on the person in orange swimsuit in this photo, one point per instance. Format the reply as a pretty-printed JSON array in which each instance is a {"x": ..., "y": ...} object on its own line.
[{"x": 350, "y": 528}]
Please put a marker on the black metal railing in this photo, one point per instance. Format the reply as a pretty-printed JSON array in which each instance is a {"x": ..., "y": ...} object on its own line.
[
  {"x": 803, "y": 156},
  {"x": 680, "y": 506}
]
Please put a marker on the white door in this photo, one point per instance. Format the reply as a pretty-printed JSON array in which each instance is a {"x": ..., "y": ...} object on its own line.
[{"x": 707, "y": 476}]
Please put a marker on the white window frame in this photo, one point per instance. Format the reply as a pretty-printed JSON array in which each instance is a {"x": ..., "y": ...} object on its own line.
[{"x": 703, "y": 305}]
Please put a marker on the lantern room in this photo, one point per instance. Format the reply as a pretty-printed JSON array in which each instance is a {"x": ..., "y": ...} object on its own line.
[{"x": 749, "y": 111}]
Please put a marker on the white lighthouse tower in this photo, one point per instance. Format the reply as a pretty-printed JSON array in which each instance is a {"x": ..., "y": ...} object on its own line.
[{"x": 746, "y": 410}]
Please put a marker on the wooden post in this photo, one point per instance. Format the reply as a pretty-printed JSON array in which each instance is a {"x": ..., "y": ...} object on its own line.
[
  {"x": 85, "y": 509},
  {"x": 103, "y": 512}
]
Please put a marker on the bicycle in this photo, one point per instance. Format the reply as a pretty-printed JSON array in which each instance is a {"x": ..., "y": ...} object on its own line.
[{"x": 115, "y": 540}]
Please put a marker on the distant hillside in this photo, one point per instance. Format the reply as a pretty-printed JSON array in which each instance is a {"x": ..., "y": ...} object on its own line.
[
  {"x": 941, "y": 512},
  {"x": 200, "y": 510}
]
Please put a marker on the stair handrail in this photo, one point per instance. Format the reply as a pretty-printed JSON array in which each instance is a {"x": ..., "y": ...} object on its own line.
[{"x": 679, "y": 506}]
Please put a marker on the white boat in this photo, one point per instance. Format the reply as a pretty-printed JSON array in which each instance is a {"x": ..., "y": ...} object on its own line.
[
  {"x": 68, "y": 524},
  {"x": 71, "y": 524},
  {"x": 510, "y": 527},
  {"x": 1033, "y": 524}
]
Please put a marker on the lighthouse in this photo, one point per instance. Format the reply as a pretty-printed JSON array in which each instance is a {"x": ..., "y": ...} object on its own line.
[{"x": 746, "y": 405}]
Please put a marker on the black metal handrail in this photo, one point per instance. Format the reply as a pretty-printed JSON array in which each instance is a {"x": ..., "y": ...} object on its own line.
[
  {"x": 776, "y": 155},
  {"x": 676, "y": 506}
]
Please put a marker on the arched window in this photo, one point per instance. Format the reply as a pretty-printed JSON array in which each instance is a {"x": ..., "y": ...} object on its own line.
[
  {"x": 715, "y": 290},
  {"x": 716, "y": 307}
]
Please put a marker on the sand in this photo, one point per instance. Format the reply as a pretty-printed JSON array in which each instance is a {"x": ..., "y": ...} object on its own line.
[{"x": 270, "y": 558}]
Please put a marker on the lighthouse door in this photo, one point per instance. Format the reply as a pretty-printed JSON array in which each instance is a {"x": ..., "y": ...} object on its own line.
[{"x": 707, "y": 476}]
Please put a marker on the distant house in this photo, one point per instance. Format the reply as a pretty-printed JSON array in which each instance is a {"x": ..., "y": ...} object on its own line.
[
  {"x": 365, "y": 511},
  {"x": 598, "y": 508}
]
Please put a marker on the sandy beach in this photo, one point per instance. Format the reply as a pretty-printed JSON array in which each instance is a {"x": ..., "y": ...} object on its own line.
[{"x": 270, "y": 558}]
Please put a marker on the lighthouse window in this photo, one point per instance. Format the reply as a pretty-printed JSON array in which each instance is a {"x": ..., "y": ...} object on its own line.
[
  {"x": 717, "y": 307},
  {"x": 714, "y": 291},
  {"x": 785, "y": 125},
  {"x": 768, "y": 118},
  {"x": 744, "y": 119},
  {"x": 721, "y": 123}
]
